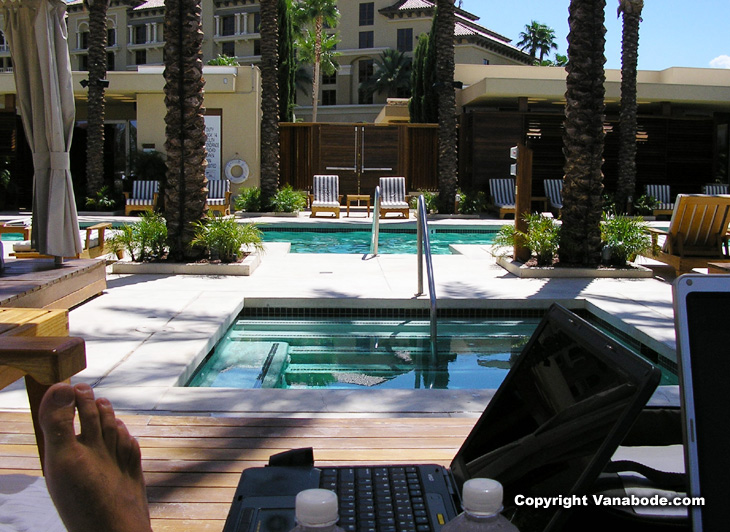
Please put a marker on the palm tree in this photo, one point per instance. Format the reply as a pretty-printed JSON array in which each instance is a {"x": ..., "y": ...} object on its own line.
[
  {"x": 631, "y": 10},
  {"x": 287, "y": 62},
  {"x": 392, "y": 75},
  {"x": 317, "y": 13},
  {"x": 270, "y": 147},
  {"x": 537, "y": 38},
  {"x": 185, "y": 191},
  {"x": 306, "y": 55},
  {"x": 580, "y": 236},
  {"x": 447, "y": 162},
  {"x": 97, "y": 72}
]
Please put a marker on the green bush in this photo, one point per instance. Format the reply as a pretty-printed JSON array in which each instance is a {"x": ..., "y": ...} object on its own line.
[
  {"x": 289, "y": 200},
  {"x": 102, "y": 201},
  {"x": 429, "y": 198},
  {"x": 143, "y": 240},
  {"x": 623, "y": 239},
  {"x": 473, "y": 202},
  {"x": 249, "y": 200},
  {"x": 542, "y": 237},
  {"x": 223, "y": 237},
  {"x": 644, "y": 205}
]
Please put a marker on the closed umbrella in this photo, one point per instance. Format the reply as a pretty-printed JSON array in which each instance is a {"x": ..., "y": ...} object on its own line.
[{"x": 37, "y": 35}]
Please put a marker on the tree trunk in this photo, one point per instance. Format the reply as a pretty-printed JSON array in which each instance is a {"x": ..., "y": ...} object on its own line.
[
  {"x": 97, "y": 71},
  {"x": 269, "y": 101},
  {"x": 580, "y": 236},
  {"x": 185, "y": 191},
  {"x": 447, "y": 162},
  {"x": 625, "y": 189}
]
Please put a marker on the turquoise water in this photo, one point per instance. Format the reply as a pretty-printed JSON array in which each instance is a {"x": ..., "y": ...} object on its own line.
[
  {"x": 358, "y": 242},
  {"x": 11, "y": 237}
]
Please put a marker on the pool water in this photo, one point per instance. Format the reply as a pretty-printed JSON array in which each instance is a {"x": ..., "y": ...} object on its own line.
[
  {"x": 11, "y": 237},
  {"x": 364, "y": 353},
  {"x": 358, "y": 242}
]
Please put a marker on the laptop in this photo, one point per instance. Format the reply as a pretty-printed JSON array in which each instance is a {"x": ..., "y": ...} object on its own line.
[
  {"x": 702, "y": 310},
  {"x": 553, "y": 424}
]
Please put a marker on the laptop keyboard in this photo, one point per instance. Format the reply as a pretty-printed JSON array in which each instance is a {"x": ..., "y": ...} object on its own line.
[{"x": 378, "y": 499}]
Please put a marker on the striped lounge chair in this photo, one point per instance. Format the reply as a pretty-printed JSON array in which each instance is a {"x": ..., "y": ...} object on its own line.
[
  {"x": 219, "y": 196},
  {"x": 662, "y": 194},
  {"x": 715, "y": 189},
  {"x": 554, "y": 193},
  {"x": 393, "y": 196},
  {"x": 503, "y": 195},
  {"x": 143, "y": 196},
  {"x": 326, "y": 195}
]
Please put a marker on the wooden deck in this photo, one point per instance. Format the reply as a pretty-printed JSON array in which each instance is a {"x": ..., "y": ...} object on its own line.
[{"x": 193, "y": 464}]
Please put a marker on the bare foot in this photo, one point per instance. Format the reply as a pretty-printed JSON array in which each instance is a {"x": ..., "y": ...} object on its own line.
[{"x": 94, "y": 478}]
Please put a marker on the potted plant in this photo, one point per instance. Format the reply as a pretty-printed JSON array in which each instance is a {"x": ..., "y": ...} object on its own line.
[
  {"x": 542, "y": 237},
  {"x": 144, "y": 240},
  {"x": 623, "y": 239}
]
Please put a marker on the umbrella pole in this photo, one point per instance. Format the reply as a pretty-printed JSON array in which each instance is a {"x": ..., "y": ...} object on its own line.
[{"x": 58, "y": 262}]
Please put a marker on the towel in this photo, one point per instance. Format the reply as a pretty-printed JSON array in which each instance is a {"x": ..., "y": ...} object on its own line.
[{"x": 26, "y": 506}]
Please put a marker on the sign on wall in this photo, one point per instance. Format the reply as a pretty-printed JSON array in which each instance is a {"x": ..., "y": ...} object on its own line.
[{"x": 213, "y": 144}]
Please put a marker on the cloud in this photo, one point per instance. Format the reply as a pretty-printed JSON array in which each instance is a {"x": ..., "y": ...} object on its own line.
[{"x": 721, "y": 61}]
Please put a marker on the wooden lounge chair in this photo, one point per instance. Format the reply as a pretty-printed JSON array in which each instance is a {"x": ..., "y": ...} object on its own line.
[
  {"x": 503, "y": 195},
  {"x": 393, "y": 196},
  {"x": 326, "y": 195},
  {"x": 714, "y": 189},
  {"x": 662, "y": 194},
  {"x": 94, "y": 245},
  {"x": 143, "y": 196},
  {"x": 219, "y": 196},
  {"x": 554, "y": 193},
  {"x": 697, "y": 233},
  {"x": 16, "y": 226}
]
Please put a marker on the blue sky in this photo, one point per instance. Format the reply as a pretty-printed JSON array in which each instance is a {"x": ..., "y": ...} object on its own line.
[{"x": 686, "y": 33}]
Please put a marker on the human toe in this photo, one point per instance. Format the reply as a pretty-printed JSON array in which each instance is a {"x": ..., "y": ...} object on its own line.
[
  {"x": 89, "y": 416},
  {"x": 56, "y": 415}
]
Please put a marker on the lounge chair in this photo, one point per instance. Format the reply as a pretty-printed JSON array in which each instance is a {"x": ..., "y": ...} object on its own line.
[
  {"x": 697, "y": 233},
  {"x": 94, "y": 245},
  {"x": 326, "y": 195},
  {"x": 715, "y": 189},
  {"x": 143, "y": 196},
  {"x": 393, "y": 196},
  {"x": 503, "y": 195},
  {"x": 219, "y": 196},
  {"x": 662, "y": 194},
  {"x": 554, "y": 193},
  {"x": 16, "y": 226}
]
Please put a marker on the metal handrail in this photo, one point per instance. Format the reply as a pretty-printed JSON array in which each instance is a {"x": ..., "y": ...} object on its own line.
[
  {"x": 376, "y": 224},
  {"x": 424, "y": 241}
]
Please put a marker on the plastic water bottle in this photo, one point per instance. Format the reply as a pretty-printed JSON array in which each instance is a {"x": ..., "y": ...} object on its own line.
[
  {"x": 482, "y": 506},
  {"x": 316, "y": 511}
]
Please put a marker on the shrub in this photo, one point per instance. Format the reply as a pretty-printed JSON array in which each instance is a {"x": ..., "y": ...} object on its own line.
[
  {"x": 102, "y": 201},
  {"x": 473, "y": 202},
  {"x": 289, "y": 200},
  {"x": 429, "y": 198},
  {"x": 645, "y": 205},
  {"x": 143, "y": 240},
  {"x": 623, "y": 239},
  {"x": 249, "y": 200},
  {"x": 223, "y": 237},
  {"x": 542, "y": 237}
]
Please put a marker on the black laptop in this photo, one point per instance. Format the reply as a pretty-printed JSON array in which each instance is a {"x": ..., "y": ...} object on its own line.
[
  {"x": 702, "y": 310},
  {"x": 553, "y": 424}
]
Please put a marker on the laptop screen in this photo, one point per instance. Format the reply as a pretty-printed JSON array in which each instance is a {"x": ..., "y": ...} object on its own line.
[
  {"x": 557, "y": 418},
  {"x": 702, "y": 306}
]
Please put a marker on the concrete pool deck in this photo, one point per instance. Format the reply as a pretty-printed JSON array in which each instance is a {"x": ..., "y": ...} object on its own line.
[{"x": 145, "y": 333}]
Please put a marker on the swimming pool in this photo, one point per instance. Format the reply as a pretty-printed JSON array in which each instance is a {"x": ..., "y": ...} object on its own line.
[{"x": 357, "y": 240}]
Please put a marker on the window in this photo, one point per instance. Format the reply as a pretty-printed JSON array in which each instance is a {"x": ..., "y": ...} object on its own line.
[
  {"x": 228, "y": 25},
  {"x": 257, "y": 22},
  {"x": 140, "y": 57},
  {"x": 228, "y": 48},
  {"x": 140, "y": 34},
  {"x": 366, "y": 69},
  {"x": 84, "y": 62},
  {"x": 405, "y": 40},
  {"x": 111, "y": 37},
  {"x": 83, "y": 40},
  {"x": 366, "y": 39},
  {"x": 367, "y": 13},
  {"x": 329, "y": 80},
  {"x": 329, "y": 97},
  {"x": 257, "y": 47},
  {"x": 485, "y": 61},
  {"x": 110, "y": 61}
]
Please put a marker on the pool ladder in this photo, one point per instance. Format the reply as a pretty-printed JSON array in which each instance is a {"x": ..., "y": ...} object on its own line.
[
  {"x": 376, "y": 224},
  {"x": 424, "y": 251}
]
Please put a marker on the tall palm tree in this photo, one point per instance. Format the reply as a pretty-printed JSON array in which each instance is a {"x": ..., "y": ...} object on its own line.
[
  {"x": 631, "y": 10},
  {"x": 537, "y": 38},
  {"x": 270, "y": 147},
  {"x": 316, "y": 13},
  {"x": 392, "y": 74},
  {"x": 447, "y": 162},
  {"x": 97, "y": 71},
  {"x": 185, "y": 191},
  {"x": 580, "y": 236}
]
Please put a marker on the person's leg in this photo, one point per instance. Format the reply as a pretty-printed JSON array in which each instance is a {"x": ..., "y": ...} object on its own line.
[{"x": 94, "y": 478}]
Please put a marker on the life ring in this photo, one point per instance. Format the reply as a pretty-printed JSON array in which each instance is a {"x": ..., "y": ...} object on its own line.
[{"x": 237, "y": 171}]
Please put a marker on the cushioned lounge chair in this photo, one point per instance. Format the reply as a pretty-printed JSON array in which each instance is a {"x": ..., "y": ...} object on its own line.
[
  {"x": 219, "y": 196},
  {"x": 16, "y": 226},
  {"x": 393, "y": 196},
  {"x": 143, "y": 196},
  {"x": 554, "y": 193},
  {"x": 697, "y": 233},
  {"x": 94, "y": 245},
  {"x": 663, "y": 195},
  {"x": 326, "y": 195},
  {"x": 715, "y": 189},
  {"x": 503, "y": 195}
]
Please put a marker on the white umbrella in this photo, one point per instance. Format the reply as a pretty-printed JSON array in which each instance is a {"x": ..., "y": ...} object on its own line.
[{"x": 38, "y": 38}]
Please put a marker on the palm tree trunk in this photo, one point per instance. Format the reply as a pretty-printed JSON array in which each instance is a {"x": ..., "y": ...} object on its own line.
[
  {"x": 447, "y": 162},
  {"x": 269, "y": 101},
  {"x": 185, "y": 191},
  {"x": 97, "y": 71},
  {"x": 318, "y": 28},
  {"x": 580, "y": 236},
  {"x": 631, "y": 10}
]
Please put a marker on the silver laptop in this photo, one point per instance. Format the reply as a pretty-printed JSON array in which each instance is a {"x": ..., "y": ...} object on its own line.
[{"x": 702, "y": 321}]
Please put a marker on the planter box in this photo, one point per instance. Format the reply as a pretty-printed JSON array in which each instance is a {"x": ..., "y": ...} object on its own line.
[
  {"x": 519, "y": 269},
  {"x": 246, "y": 267}
]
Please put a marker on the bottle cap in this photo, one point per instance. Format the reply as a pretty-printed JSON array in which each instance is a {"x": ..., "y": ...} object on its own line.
[
  {"x": 316, "y": 508},
  {"x": 482, "y": 496}
]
